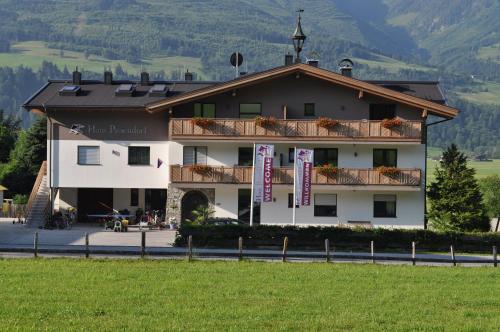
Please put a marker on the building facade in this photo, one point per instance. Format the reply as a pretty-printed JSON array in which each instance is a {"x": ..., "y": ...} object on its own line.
[{"x": 175, "y": 146}]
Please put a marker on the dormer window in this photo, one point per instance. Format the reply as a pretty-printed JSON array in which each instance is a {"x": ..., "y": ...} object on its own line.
[{"x": 158, "y": 90}]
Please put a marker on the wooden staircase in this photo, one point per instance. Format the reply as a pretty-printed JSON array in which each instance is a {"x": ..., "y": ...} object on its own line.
[{"x": 39, "y": 201}]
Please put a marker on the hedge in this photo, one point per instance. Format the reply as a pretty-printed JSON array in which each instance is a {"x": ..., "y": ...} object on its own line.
[{"x": 262, "y": 236}]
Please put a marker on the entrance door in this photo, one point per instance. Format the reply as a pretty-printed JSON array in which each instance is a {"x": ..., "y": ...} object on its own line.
[
  {"x": 190, "y": 202},
  {"x": 155, "y": 199},
  {"x": 244, "y": 196},
  {"x": 94, "y": 201}
]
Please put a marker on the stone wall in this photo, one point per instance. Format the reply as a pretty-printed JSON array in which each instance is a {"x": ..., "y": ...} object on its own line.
[{"x": 174, "y": 199}]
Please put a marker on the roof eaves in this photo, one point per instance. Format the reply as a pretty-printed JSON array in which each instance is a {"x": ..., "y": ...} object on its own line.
[{"x": 25, "y": 104}]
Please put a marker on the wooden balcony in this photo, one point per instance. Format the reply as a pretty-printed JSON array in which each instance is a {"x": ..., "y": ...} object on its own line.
[
  {"x": 247, "y": 129},
  {"x": 284, "y": 175}
]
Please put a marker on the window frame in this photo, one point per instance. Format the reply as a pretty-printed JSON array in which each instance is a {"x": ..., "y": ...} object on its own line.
[
  {"x": 239, "y": 110},
  {"x": 316, "y": 206},
  {"x": 202, "y": 110},
  {"x": 195, "y": 154},
  {"x": 385, "y": 215},
  {"x": 384, "y": 157},
  {"x": 372, "y": 111},
  {"x": 336, "y": 164},
  {"x": 139, "y": 147},
  {"x": 313, "y": 109},
  {"x": 88, "y": 146},
  {"x": 239, "y": 156}
]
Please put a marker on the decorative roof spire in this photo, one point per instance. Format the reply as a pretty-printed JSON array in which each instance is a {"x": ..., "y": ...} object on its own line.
[{"x": 298, "y": 37}]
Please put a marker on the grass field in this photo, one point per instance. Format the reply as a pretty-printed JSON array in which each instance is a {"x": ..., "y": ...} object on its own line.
[
  {"x": 492, "y": 96},
  {"x": 390, "y": 64},
  {"x": 147, "y": 295},
  {"x": 483, "y": 168},
  {"x": 33, "y": 53},
  {"x": 491, "y": 52}
]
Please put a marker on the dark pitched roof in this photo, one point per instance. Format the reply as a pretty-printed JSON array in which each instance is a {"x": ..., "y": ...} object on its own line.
[
  {"x": 96, "y": 94},
  {"x": 423, "y": 89}
]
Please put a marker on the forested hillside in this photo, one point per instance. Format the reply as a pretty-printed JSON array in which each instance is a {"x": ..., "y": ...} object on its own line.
[{"x": 457, "y": 42}]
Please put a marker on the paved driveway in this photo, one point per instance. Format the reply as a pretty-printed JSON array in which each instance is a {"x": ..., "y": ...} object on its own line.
[{"x": 17, "y": 234}]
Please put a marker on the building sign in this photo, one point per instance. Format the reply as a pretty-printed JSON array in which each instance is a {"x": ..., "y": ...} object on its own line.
[
  {"x": 113, "y": 129},
  {"x": 263, "y": 173},
  {"x": 303, "y": 176}
]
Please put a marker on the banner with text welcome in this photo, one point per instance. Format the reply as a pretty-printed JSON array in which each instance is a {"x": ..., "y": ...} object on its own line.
[
  {"x": 303, "y": 174},
  {"x": 263, "y": 173}
]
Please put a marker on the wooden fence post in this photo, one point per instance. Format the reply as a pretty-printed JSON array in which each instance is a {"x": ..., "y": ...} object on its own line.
[
  {"x": 35, "y": 244},
  {"x": 190, "y": 248},
  {"x": 495, "y": 258},
  {"x": 285, "y": 248},
  {"x": 240, "y": 248},
  {"x": 413, "y": 253},
  {"x": 372, "y": 249},
  {"x": 87, "y": 249},
  {"x": 452, "y": 250},
  {"x": 327, "y": 250},
  {"x": 143, "y": 244}
]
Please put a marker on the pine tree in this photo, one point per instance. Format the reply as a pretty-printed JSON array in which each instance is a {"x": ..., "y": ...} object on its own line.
[{"x": 455, "y": 198}]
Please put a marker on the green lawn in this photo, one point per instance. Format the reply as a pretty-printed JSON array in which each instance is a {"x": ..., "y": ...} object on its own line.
[
  {"x": 483, "y": 168},
  {"x": 33, "y": 53},
  {"x": 491, "y": 96},
  {"x": 390, "y": 64},
  {"x": 147, "y": 295}
]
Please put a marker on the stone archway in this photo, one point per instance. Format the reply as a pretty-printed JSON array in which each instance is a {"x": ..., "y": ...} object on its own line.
[{"x": 191, "y": 201}]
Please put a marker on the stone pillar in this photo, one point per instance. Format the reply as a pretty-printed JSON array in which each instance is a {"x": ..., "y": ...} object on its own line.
[{"x": 174, "y": 201}]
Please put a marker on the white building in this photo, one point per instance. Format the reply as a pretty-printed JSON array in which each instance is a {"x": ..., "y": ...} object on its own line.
[{"x": 129, "y": 145}]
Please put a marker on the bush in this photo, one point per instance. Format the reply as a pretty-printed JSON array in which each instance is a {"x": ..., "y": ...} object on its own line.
[
  {"x": 20, "y": 199},
  {"x": 343, "y": 238}
]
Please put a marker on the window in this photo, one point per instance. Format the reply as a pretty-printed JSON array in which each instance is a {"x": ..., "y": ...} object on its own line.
[
  {"x": 134, "y": 197},
  {"x": 290, "y": 201},
  {"x": 325, "y": 205},
  {"x": 385, "y": 157},
  {"x": 309, "y": 109},
  {"x": 245, "y": 156},
  {"x": 382, "y": 111},
  {"x": 325, "y": 156},
  {"x": 384, "y": 206},
  {"x": 204, "y": 110},
  {"x": 88, "y": 155},
  {"x": 193, "y": 155},
  {"x": 138, "y": 155},
  {"x": 244, "y": 207},
  {"x": 250, "y": 111},
  {"x": 291, "y": 155}
]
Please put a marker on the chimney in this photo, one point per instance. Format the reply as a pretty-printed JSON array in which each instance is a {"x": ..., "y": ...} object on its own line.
[
  {"x": 77, "y": 77},
  {"x": 288, "y": 59},
  {"x": 188, "y": 76},
  {"x": 144, "y": 78},
  {"x": 345, "y": 66},
  {"x": 346, "y": 71},
  {"x": 108, "y": 77},
  {"x": 314, "y": 63}
]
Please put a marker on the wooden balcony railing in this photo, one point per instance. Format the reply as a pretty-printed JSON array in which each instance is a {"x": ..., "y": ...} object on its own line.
[
  {"x": 284, "y": 175},
  {"x": 292, "y": 129}
]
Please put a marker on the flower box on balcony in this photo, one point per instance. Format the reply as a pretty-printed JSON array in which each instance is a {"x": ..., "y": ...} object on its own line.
[
  {"x": 266, "y": 121},
  {"x": 326, "y": 123},
  {"x": 388, "y": 171},
  {"x": 202, "y": 122},
  {"x": 201, "y": 169},
  {"x": 328, "y": 170},
  {"x": 391, "y": 123}
]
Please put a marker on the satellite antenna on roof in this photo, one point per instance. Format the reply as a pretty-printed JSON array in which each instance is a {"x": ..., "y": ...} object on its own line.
[{"x": 236, "y": 60}]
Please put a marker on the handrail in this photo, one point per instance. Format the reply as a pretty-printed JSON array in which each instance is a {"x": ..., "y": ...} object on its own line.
[
  {"x": 41, "y": 173},
  {"x": 284, "y": 175}
]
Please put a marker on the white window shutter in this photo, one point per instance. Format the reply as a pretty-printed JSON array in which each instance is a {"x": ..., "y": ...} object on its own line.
[
  {"x": 188, "y": 155},
  {"x": 201, "y": 155},
  {"x": 88, "y": 155}
]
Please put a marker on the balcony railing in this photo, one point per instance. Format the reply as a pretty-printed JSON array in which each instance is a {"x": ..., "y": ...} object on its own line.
[
  {"x": 245, "y": 129},
  {"x": 284, "y": 175}
]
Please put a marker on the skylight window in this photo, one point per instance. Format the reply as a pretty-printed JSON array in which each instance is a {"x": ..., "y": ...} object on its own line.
[
  {"x": 125, "y": 90},
  {"x": 158, "y": 90},
  {"x": 69, "y": 90}
]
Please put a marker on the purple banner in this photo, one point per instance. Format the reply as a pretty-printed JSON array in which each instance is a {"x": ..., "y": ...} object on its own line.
[
  {"x": 303, "y": 176},
  {"x": 263, "y": 173}
]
